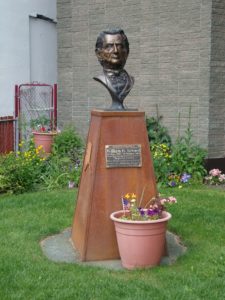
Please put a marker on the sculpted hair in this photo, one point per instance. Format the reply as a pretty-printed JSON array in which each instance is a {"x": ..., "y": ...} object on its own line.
[{"x": 101, "y": 36}]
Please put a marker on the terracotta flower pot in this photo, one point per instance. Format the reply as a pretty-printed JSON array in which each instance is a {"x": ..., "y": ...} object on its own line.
[
  {"x": 44, "y": 139},
  {"x": 141, "y": 243}
]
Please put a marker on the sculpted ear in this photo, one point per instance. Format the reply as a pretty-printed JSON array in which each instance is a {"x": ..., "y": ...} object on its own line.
[{"x": 98, "y": 53}]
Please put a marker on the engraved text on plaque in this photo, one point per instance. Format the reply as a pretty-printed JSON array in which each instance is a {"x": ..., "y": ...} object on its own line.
[{"x": 123, "y": 156}]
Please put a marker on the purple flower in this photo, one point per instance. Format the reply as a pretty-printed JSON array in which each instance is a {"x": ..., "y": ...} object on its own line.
[
  {"x": 152, "y": 212},
  {"x": 142, "y": 212},
  {"x": 185, "y": 178},
  {"x": 126, "y": 203}
]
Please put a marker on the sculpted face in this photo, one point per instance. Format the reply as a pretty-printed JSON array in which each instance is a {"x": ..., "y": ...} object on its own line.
[{"x": 113, "y": 54}]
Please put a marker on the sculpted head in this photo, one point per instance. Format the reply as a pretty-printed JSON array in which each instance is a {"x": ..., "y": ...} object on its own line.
[{"x": 112, "y": 49}]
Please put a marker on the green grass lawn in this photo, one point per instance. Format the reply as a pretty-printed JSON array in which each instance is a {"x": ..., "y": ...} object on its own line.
[{"x": 25, "y": 273}]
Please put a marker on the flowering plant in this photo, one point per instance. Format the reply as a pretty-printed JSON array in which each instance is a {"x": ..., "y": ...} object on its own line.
[
  {"x": 42, "y": 124},
  {"x": 152, "y": 210},
  {"x": 215, "y": 177},
  {"x": 22, "y": 171},
  {"x": 177, "y": 180}
]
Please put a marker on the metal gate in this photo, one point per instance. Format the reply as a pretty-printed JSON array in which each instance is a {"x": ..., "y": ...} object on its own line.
[{"x": 34, "y": 101}]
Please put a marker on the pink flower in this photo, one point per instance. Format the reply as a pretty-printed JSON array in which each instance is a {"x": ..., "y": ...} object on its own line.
[
  {"x": 71, "y": 184},
  {"x": 222, "y": 177},
  {"x": 215, "y": 172},
  {"x": 163, "y": 201},
  {"x": 172, "y": 199}
]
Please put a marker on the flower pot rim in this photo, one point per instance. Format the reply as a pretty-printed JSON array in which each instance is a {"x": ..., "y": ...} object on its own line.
[
  {"x": 44, "y": 133},
  {"x": 113, "y": 218}
]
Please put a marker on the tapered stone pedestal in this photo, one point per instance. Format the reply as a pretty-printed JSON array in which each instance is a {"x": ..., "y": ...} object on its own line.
[{"x": 102, "y": 183}]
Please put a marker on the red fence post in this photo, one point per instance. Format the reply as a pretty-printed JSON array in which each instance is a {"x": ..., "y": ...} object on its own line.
[
  {"x": 55, "y": 104},
  {"x": 16, "y": 114},
  {"x": 16, "y": 101}
]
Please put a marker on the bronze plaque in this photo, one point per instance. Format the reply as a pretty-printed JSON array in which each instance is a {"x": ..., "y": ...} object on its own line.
[{"x": 123, "y": 156}]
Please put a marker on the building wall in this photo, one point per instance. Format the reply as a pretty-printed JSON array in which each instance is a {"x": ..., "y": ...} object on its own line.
[
  {"x": 65, "y": 73},
  {"x": 170, "y": 55},
  {"x": 15, "y": 46},
  {"x": 217, "y": 86}
]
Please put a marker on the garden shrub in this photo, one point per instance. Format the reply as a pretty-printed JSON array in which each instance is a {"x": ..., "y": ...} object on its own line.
[
  {"x": 59, "y": 172},
  {"x": 161, "y": 154},
  {"x": 30, "y": 168},
  {"x": 64, "y": 165},
  {"x": 157, "y": 133},
  {"x": 68, "y": 144},
  {"x": 176, "y": 163},
  {"x": 21, "y": 171},
  {"x": 187, "y": 157}
]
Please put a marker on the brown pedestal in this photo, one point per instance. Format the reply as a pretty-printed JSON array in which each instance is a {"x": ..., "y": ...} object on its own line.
[{"x": 101, "y": 187}]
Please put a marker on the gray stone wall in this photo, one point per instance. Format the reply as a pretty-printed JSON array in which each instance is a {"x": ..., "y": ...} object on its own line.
[
  {"x": 217, "y": 82},
  {"x": 65, "y": 73},
  {"x": 170, "y": 58}
]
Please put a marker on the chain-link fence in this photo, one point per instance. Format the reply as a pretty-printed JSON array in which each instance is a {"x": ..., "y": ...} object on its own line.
[{"x": 34, "y": 102}]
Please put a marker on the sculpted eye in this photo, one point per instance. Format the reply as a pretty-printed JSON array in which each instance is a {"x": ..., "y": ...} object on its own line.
[{"x": 109, "y": 46}]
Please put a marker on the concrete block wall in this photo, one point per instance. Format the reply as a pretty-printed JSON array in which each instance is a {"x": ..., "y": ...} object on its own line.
[
  {"x": 217, "y": 82},
  {"x": 170, "y": 58},
  {"x": 65, "y": 73}
]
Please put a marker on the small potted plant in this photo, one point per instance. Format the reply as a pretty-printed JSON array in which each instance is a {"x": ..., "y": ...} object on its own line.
[
  {"x": 43, "y": 132},
  {"x": 141, "y": 232}
]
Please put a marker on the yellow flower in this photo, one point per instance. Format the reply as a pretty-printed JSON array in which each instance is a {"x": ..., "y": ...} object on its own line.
[
  {"x": 127, "y": 196},
  {"x": 21, "y": 143}
]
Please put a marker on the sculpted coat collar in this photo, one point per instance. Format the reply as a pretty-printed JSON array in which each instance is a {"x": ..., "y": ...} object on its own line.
[{"x": 118, "y": 84}]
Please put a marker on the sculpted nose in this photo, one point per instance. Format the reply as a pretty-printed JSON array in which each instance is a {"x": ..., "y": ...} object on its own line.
[{"x": 115, "y": 49}]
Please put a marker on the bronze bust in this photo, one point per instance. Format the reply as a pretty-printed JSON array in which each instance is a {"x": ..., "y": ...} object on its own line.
[{"x": 112, "y": 49}]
